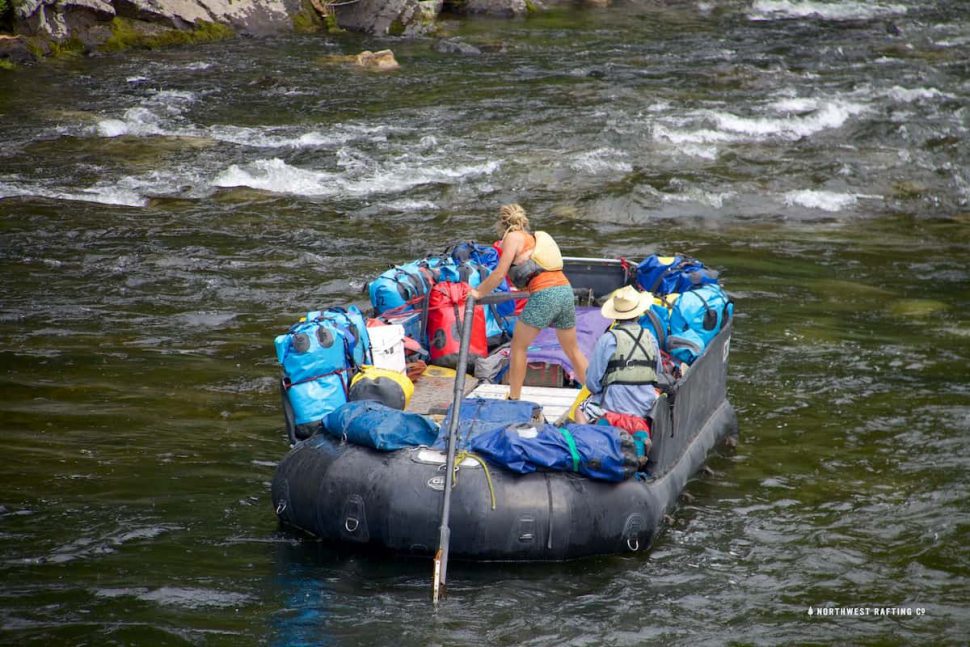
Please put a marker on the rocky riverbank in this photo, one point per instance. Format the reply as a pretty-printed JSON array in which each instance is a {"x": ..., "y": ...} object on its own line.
[{"x": 32, "y": 29}]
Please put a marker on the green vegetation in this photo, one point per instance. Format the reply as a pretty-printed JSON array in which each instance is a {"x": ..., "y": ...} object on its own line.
[
  {"x": 7, "y": 65},
  {"x": 306, "y": 22},
  {"x": 69, "y": 48},
  {"x": 331, "y": 21},
  {"x": 126, "y": 34},
  {"x": 396, "y": 28}
]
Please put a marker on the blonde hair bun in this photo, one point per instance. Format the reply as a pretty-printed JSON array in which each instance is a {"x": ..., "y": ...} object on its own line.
[{"x": 512, "y": 218}]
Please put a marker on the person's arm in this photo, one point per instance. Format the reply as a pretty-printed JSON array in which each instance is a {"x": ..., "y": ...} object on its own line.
[
  {"x": 604, "y": 349},
  {"x": 511, "y": 245}
]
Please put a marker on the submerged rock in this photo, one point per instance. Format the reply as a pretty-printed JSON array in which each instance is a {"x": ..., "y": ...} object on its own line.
[
  {"x": 917, "y": 308},
  {"x": 456, "y": 46},
  {"x": 381, "y": 61}
]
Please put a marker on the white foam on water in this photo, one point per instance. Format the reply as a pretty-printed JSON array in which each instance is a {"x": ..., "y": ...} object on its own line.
[
  {"x": 837, "y": 10},
  {"x": 275, "y": 138},
  {"x": 411, "y": 205},
  {"x": 112, "y": 195},
  {"x": 101, "y": 194},
  {"x": 142, "y": 121},
  {"x": 910, "y": 95},
  {"x": 163, "y": 114},
  {"x": 112, "y": 128},
  {"x": 828, "y": 116},
  {"x": 799, "y": 117},
  {"x": 794, "y": 104},
  {"x": 701, "y": 152},
  {"x": 823, "y": 200},
  {"x": 158, "y": 114},
  {"x": 709, "y": 199},
  {"x": 601, "y": 160},
  {"x": 399, "y": 177},
  {"x": 291, "y": 137},
  {"x": 276, "y": 176},
  {"x": 699, "y": 136}
]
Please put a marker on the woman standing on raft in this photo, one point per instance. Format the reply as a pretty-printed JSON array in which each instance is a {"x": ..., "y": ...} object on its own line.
[{"x": 550, "y": 302}]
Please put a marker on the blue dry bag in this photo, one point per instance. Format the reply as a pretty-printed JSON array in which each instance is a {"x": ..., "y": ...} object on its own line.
[
  {"x": 318, "y": 356},
  {"x": 697, "y": 317},
  {"x": 667, "y": 274},
  {"x": 480, "y": 415},
  {"x": 594, "y": 451},
  {"x": 372, "y": 424}
]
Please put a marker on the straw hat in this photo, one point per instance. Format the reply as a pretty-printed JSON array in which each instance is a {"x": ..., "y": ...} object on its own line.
[{"x": 626, "y": 303}]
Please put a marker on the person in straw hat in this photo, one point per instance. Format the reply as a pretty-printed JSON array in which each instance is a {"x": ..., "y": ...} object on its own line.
[{"x": 622, "y": 373}]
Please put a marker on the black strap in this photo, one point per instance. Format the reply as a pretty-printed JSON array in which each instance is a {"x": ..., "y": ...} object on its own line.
[{"x": 614, "y": 364}]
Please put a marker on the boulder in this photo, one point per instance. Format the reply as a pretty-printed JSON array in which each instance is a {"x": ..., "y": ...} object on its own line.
[
  {"x": 501, "y": 8},
  {"x": 59, "y": 20},
  {"x": 382, "y": 17},
  {"x": 381, "y": 61},
  {"x": 256, "y": 17}
]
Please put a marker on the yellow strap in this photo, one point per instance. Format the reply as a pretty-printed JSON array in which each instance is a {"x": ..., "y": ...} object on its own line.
[{"x": 461, "y": 456}]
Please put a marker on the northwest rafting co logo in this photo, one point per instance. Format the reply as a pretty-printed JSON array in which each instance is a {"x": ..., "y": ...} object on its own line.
[
  {"x": 437, "y": 483},
  {"x": 898, "y": 612}
]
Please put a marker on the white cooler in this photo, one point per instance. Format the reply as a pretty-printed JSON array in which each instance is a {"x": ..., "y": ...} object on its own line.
[{"x": 387, "y": 343}]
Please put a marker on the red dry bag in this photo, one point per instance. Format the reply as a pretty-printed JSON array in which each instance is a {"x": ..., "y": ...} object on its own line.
[{"x": 446, "y": 308}]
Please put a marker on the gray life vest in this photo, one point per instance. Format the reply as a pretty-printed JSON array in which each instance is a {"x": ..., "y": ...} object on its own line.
[
  {"x": 523, "y": 273},
  {"x": 634, "y": 361},
  {"x": 520, "y": 274}
]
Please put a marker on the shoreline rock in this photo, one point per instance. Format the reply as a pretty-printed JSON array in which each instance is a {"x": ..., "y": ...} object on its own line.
[{"x": 50, "y": 27}]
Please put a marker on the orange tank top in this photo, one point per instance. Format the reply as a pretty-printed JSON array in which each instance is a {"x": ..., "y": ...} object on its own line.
[{"x": 546, "y": 279}]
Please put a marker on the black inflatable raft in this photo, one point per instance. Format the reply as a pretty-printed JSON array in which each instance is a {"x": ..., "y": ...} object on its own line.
[{"x": 392, "y": 501}]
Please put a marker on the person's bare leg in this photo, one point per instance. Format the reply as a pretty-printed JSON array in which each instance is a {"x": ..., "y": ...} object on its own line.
[
  {"x": 570, "y": 346},
  {"x": 522, "y": 337}
]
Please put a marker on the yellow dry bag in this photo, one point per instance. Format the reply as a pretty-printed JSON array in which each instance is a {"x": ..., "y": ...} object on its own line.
[{"x": 383, "y": 385}]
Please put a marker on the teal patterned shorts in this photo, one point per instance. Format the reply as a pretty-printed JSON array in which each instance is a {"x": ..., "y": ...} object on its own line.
[{"x": 550, "y": 308}]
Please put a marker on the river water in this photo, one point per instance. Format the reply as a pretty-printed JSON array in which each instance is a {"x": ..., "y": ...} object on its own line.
[{"x": 163, "y": 215}]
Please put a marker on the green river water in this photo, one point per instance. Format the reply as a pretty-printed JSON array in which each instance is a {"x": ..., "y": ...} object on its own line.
[{"x": 165, "y": 214}]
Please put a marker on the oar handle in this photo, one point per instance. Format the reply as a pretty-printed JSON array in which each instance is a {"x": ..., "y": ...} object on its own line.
[{"x": 502, "y": 297}]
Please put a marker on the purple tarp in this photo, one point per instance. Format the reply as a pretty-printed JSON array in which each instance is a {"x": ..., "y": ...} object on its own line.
[{"x": 590, "y": 325}]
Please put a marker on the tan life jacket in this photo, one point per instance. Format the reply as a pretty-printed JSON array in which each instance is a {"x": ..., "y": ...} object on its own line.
[{"x": 546, "y": 253}]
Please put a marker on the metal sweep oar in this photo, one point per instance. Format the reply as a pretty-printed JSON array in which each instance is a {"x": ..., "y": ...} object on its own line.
[{"x": 444, "y": 532}]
